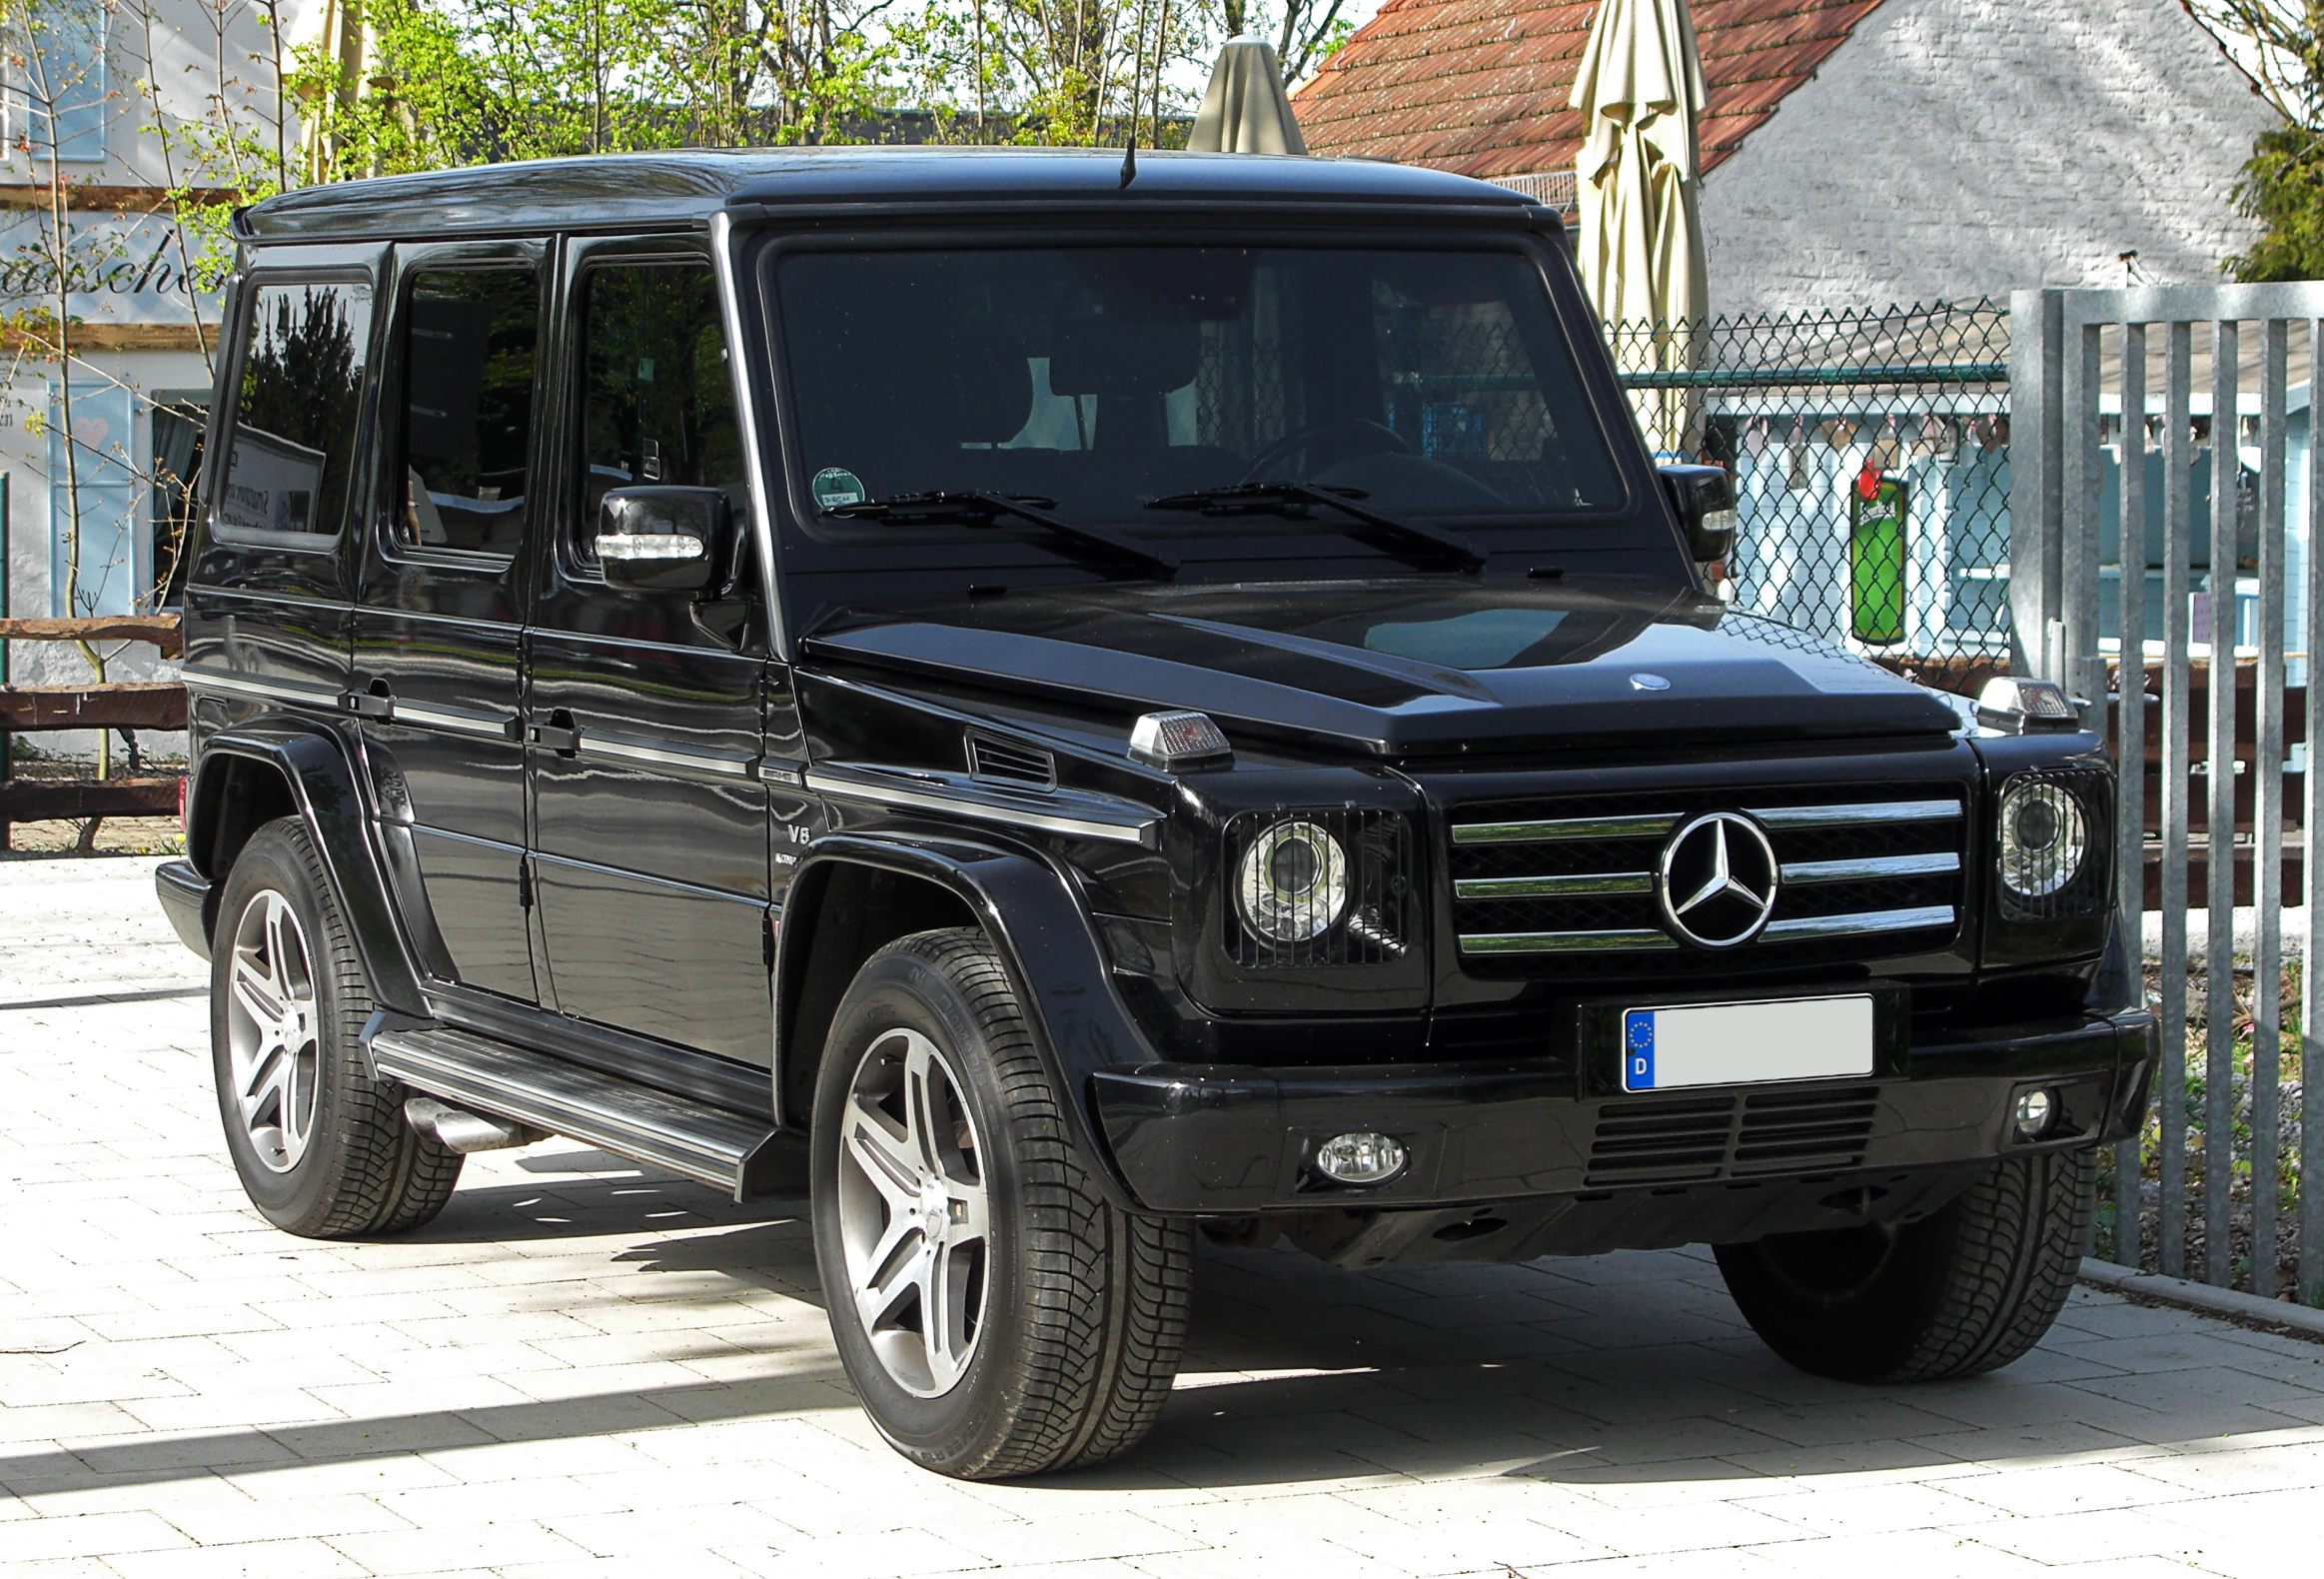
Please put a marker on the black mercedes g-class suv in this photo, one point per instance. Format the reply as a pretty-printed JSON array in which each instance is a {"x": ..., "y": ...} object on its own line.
[{"x": 1050, "y": 701}]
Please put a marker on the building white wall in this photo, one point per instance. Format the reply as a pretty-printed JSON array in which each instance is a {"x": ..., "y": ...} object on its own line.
[{"x": 1953, "y": 149}]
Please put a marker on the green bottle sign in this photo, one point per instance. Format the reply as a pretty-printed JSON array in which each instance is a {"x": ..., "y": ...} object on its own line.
[{"x": 1875, "y": 555}]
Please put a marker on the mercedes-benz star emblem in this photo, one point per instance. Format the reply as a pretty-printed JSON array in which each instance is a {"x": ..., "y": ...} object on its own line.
[{"x": 1716, "y": 880}]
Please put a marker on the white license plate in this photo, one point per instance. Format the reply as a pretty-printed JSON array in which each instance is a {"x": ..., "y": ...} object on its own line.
[{"x": 1803, "y": 1038}]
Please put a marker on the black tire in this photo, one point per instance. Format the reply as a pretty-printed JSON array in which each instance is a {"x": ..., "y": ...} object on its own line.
[
  {"x": 357, "y": 1168},
  {"x": 1083, "y": 1306},
  {"x": 1968, "y": 1289}
]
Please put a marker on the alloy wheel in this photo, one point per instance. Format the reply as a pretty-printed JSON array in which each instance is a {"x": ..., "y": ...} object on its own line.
[
  {"x": 272, "y": 1029},
  {"x": 913, "y": 1212}
]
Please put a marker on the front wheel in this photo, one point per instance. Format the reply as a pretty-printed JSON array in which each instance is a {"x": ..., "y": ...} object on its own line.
[
  {"x": 1969, "y": 1288},
  {"x": 995, "y": 1313}
]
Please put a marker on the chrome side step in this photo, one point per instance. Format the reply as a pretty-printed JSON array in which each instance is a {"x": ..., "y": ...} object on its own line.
[{"x": 750, "y": 1160}]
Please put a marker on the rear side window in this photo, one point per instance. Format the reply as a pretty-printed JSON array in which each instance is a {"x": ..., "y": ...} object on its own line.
[
  {"x": 295, "y": 413},
  {"x": 469, "y": 342}
]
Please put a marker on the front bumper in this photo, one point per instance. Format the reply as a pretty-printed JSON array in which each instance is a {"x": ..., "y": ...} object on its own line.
[{"x": 1223, "y": 1140}]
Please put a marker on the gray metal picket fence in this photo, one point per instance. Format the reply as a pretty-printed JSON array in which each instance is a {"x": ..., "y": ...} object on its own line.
[{"x": 2163, "y": 508}]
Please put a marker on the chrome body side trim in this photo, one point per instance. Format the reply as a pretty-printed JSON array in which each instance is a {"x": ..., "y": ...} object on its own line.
[
  {"x": 1782, "y": 816},
  {"x": 1919, "y": 919},
  {"x": 485, "y": 725},
  {"x": 1577, "y": 883},
  {"x": 263, "y": 690},
  {"x": 1871, "y": 866},
  {"x": 666, "y": 756},
  {"x": 1643, "y": 827},
  {"x": 1074, "y": 814}
]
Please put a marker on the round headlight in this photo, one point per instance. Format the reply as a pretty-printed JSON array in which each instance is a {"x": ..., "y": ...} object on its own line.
[
  {"x": 1293, "y": 882},
  {"x": 2043, "y": 839}
]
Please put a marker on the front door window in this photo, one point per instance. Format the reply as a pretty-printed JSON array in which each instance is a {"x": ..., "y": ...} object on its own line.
[{"x": 659, "y": 399}]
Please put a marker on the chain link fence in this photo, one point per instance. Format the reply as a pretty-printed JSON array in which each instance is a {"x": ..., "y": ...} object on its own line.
[{"x": 1871, "y": 451}]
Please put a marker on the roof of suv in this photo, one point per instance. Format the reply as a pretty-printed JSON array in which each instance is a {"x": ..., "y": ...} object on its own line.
[{"x": 623, "y": 191}]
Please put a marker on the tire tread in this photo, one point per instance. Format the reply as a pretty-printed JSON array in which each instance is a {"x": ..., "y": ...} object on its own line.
[
  {"x": 1109, "y": 1309},
  {"x": 391, "y": 1177}
]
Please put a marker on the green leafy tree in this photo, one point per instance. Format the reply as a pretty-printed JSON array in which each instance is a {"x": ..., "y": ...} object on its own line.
[
  {"x": 2280, "y": 43},
  {"x": 1060, "y": 72}
]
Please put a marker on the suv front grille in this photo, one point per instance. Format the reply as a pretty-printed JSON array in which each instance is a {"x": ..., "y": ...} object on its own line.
[
  {"x": 1767, "y": 1133},
  {"x": 1869, "y": 870}
]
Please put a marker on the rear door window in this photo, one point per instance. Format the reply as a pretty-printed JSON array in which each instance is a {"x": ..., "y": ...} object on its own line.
[
  {"x": 469, "y": 339},
  {"x": 297, "y": 413}
]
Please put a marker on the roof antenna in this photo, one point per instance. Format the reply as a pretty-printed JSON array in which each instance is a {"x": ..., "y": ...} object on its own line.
[{"x": 1130, "y": 161}]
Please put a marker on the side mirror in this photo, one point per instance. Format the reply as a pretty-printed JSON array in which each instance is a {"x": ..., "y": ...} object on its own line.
[
  {"x": 663, "y": 538},
  {"x": 1703, "y": 497}
]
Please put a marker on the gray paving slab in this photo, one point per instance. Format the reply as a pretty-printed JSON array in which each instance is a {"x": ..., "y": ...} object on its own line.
[{"x": 585, "y": 1366}]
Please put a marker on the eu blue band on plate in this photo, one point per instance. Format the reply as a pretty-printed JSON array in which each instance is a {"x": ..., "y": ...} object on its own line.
[{"x": 1638, "y": 1055}]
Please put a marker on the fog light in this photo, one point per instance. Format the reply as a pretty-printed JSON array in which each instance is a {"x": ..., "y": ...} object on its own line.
[
  {"x": 2035, "y": 1110},
  {"x": 1360, "y": 1158}
]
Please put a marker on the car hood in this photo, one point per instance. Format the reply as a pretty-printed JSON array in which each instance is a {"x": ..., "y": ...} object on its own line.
[{"x": 1398, "y": 668}]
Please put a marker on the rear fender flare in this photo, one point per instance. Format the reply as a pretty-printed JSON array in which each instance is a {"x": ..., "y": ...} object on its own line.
[
  {"x": 324, "y": 786},
  {"x": 1046, "y": 943}
]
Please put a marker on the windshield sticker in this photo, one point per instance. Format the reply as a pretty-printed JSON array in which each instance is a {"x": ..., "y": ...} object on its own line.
[{"x": 835, "y": 486}]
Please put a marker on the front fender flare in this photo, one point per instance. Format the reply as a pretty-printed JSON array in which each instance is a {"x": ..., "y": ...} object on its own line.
[
  {"x": 326, "y": 789},
  {"x": 1047, "y": 945}
]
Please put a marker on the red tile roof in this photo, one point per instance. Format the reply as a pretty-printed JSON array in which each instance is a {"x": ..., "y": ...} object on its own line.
[{"x": 1480, "y": 86}]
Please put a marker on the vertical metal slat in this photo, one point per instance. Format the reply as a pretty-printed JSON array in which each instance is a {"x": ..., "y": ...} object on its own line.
[
  {"x": 2311, "y": 821},
  {"x": 2078, "y": 526},
  {"x": 2267, "y": 810},
  {"x": 2130, "y": 739},
  {"x": 2219, "y": 852},
  {"x": 2171, "y": 1078}
]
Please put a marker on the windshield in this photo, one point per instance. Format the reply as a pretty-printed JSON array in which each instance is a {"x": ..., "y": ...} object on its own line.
[{"x": 1431, "y": 386}]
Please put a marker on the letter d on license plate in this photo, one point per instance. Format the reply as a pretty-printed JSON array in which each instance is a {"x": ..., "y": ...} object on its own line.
[{"x": 1803, "y": 1038}]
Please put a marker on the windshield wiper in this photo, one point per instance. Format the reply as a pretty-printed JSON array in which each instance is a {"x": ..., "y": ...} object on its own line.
[
  {"x": 978, "y": 508},
  {"x": 1296, "y": 498}
]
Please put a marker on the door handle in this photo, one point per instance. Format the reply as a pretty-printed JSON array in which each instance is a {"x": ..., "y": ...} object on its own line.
[
  {"x": 378, "y": 701},
  {"x": 559, "y": 734}
]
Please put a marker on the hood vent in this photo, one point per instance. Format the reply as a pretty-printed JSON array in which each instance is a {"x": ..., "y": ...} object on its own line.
[{"x": 1010, "y": 762}]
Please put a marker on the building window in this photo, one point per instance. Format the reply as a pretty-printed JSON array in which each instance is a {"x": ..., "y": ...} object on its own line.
[
  {"x": 57, "y": 88},
  {"x": 107, "y": 574}
]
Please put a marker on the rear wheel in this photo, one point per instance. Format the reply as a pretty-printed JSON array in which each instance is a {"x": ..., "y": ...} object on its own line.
[
  {"x": 322, "y": 1147},
  {"x": 997, "y": 1315},
  {"x": 1969, "y": 1288}
]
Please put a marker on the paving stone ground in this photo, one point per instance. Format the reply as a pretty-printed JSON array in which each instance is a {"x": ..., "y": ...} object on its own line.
[{"x": 587, "y": 1368}]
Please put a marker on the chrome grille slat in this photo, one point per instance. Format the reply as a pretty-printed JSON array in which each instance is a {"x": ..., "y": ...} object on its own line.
[
  {"x": 1790, "y": 817},
  {"x": 1862, "y": 923},
  {"x": 1871, "y": 866},
  {"x": 1544, "y": 887},
  {"x": 1561, "y": 828},
  {"x": 1565, "y": 943}
]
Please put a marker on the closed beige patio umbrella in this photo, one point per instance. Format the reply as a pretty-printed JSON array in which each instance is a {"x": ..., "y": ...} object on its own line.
[
  {"x": 1642, "y": 97},
  {"x": 1245, "y": 110}
]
